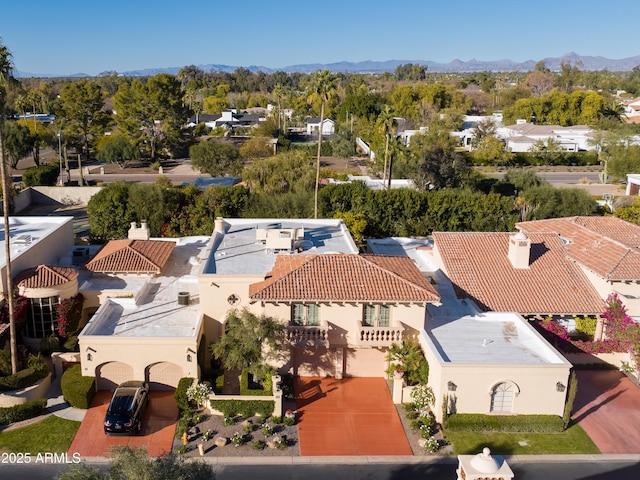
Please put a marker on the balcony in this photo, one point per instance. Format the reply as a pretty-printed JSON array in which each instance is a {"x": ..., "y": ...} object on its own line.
[
  {"x": 299, "y": 336},
  {"x": 379, "y": 336}
]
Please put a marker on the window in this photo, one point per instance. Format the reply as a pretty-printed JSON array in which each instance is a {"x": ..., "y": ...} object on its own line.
[
  {"x": 43, "y": 317},
  {"x": 376, "y": 315},
  {"x": 304, "y": 314},
  {"x": 502, "y": 398}
]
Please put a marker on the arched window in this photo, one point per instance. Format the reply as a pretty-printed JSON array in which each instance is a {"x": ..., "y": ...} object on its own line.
[{"x": 502, "y": 398}]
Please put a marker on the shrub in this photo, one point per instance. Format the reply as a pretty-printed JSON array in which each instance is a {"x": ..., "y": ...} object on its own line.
[
  {"x": 431, "y": 445},
  {"x": 180, "y": 395},
  {"x": 77, "y": 389},
  {"x": 199, "y": 393},
  {"x": 422, "y": 396},
  {"x": 267, "y": 384},
  {"x": 267, "y": 430},
  {"x": 228, "y": 421},
  {"x": 246, "y": 408},
  {"x": 24, "y": 411},
  {"x": 469, "y": 422},
  {"x": 37, "y": 369},
  {"x": 258, "y": 445},
  {"x": 41, "y": 175},
  {"x": 237, "y": 439}
]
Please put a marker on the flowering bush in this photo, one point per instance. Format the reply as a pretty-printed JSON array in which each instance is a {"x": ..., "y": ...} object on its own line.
[
  {"x": 422, "y": 396},
  {"x": 69, "y": 314},
  {"x": 431, "y": 445},
  {"x": 267, "y": 430},
  {"x": 237, "y": 439},
  {"x": 199, "y": 393}
]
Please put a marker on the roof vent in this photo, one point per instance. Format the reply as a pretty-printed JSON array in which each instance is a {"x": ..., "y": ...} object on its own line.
[{"x": 24, "y": 239}]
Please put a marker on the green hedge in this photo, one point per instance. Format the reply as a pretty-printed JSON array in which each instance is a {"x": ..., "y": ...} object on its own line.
[
  {"x": 24, "y": 411},
  {"x": 37, "y": 369},
  {"x": 246, "y": 408},
  {"x": 267, "y": 385},
  {"x": 468, "y": 422},
  {"x": 41, "y": 175},
  {"x": 77, "y": 389},
  {"x": 180, "y": 394}
]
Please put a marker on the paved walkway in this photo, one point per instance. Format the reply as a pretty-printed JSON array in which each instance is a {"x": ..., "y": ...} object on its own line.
[
  {"x": 352, "y": 416},
  {"x": 607, "y": 407}
]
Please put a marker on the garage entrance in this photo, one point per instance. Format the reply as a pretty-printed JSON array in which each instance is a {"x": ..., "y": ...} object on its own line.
[
  {"x": 163, "y": 376},
  {"x": 112, "y": 374}
]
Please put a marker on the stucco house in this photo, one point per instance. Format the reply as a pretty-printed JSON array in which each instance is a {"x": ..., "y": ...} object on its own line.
[
  {"x": 313, "y": 126},
  {"x": 523, "y": 135},
  {"x": 605, "y": 249},
  {"x": 228, "y": 119}
]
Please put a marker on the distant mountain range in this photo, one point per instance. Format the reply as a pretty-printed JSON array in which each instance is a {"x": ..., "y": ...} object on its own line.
[{"x": 584, "y": 62}]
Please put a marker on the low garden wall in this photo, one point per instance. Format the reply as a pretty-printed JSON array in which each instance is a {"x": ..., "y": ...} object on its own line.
[
  {"x": 614, "y": 359},
  {"x": 23, "y": 395}
]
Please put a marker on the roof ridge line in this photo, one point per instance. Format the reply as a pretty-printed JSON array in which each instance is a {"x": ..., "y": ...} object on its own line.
[{"x": 400, "y": 277}]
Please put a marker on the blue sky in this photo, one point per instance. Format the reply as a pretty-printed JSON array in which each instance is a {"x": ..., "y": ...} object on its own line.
[{"x": 89, "y": 36}]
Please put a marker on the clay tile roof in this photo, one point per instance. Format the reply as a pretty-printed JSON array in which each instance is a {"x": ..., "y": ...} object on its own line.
[
  {"x": 131, "y": 256},
  {"x": 45, "y": 276},
  {"x": 478, "y": 265},
  {"x": 608, "y": 246},
  {"x": 344, "y": 277}
]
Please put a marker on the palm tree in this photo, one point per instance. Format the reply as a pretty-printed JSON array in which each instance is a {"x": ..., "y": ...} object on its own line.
[
  {"x": 6, "y": 77},
  {"x": 386, "y": 122},
  {"x": 322, "y": 87}
]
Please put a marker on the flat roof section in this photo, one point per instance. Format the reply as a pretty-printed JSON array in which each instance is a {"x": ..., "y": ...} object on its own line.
[
  {"x": 239, "y": 251},
  {"x": 158, "y": 307},
  {"x": 491, "y": 338}
]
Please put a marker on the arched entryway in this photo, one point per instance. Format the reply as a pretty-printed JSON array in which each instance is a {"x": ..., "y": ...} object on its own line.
[
  {"x": 110, "y": 375},
  {"x": 163, "y": 375}
]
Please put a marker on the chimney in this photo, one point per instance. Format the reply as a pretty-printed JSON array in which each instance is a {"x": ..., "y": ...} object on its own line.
[
  {"x": 519, "y": 250},
  {"x": 141, "y": 233},
  {"x": 219, "y": 225}
]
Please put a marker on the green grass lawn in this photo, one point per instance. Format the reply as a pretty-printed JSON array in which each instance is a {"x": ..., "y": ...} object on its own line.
[
  {"x": 572, "y": 441},
  {"x": 53, "y": 434}
]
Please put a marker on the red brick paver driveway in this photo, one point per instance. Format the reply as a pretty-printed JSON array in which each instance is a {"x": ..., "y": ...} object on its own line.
[
  {"x": 352, "y": 416},
  {"x": 607, "y": 406},
  {"x": 158, "y": 428}
]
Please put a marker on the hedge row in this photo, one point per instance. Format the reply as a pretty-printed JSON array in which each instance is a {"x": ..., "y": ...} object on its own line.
[
  {"x": 246, "y": 408},
  {"x": 77, "y": 389},
  {"x": 24, "y": 411},
  {"x": 37, "y": 370},
  {"x": 468, "y": 422}
]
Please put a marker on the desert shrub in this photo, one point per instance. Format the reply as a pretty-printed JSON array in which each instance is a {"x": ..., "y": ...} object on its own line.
[
  {"x": 246, "y": 408},
  {"x": 180, "y": 394},
  {"x": 77, "y": 389}
]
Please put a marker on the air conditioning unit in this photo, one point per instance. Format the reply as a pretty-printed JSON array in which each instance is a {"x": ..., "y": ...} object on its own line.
[{"x": 24, "y": 239}]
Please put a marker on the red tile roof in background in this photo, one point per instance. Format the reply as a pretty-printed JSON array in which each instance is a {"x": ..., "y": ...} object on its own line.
[
  {"x": 477, "y": 264},
  {"x": 132, "y": 256},
  {"x": 344, "y": 277},
  {"x": 44, "y": 276},
  {"x": 608, "y": 246}
]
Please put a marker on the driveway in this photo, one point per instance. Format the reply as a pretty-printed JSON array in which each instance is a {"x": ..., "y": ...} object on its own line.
[
  {"x": 351, "y": 416},
  {"x": 158, "y": 427},
  {"x": 607, "y": 407}
]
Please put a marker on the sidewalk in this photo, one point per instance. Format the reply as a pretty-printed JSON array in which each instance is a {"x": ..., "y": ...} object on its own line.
[{"x": 57, "y": 405}]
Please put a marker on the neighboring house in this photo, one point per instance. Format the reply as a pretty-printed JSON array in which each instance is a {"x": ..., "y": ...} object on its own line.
[
  {"x": 633, "y": 184},
  {"x": 607, "y": 250},
  {"x": 229, "y": 119},
  {"x": 632, "y": 108},
  {"x": 313, "y": 126},
  {"x": 38, "y": 245},
  {"x": 481, "y": 362},
  {"x": 503, "y": 272},
  {"x": 522, "y": 136}
]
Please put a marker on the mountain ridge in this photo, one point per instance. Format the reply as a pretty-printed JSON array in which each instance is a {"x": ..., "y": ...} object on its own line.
[{"x": 584, "y": 62}]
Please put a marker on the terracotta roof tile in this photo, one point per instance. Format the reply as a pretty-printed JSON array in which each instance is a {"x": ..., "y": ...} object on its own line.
[
  {"x": 132, "y": 256},
  {"x": 608, "y": 246},
  {"x": 45, "y": 276},
  {"x": 344, "y": 277},
  {"x": 478, "y": 265}
]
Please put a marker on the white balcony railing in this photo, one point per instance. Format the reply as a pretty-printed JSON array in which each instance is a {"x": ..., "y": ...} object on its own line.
[
  {"x": 308, "y": 336},
  {"x": 380, "y": 336}
]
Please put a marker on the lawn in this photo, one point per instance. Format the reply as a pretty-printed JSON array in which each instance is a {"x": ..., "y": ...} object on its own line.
[
  {"x": 53, "y": 434},
  {"x": 572, "y": 441}
]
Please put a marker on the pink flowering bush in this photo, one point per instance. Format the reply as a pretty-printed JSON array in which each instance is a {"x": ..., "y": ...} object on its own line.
[{"x": 622, "y": 333}]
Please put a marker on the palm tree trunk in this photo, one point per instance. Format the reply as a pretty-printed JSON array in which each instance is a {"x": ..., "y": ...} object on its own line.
[
  {"x": 386, "y": 154},
  {"x": 315, "y": 197},
  {"x": 7, "y": 245}
]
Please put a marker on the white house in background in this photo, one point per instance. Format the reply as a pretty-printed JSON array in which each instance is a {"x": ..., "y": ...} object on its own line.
[
  {"x": 523, "y": 135},
  {"x": 313, "y": 125},
  {"x": 376, "y": 183},
  {"x": 632, "y": 108},
  {"x": 229, "y": 119},
  {"x": 633, "y": 184}
]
